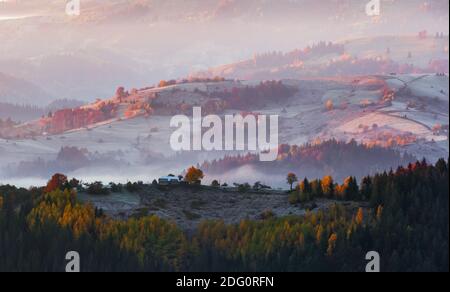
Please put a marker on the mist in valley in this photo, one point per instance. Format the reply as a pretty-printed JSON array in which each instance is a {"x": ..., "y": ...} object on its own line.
[{"x": 50, "y": 61}]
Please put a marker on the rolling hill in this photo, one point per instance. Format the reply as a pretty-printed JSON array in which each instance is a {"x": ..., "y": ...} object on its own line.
[
  {"x": 131, "y": 131},
  {"x": 365, "y": 56}
]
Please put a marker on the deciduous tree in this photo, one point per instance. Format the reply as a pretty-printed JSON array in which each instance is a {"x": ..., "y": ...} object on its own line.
[
  {"x": 291, "y": 179},
  {"x": 58, "y": 181},
  {"x": 194, "y": 175}
]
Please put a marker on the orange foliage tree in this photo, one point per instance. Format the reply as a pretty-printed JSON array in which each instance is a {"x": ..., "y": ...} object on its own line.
[
  {"x": 360, "y": 216},
  {"x": 332, "y": 244},
  {"x": 194, "y": 175},
  {"x": 58, "y": 181}
]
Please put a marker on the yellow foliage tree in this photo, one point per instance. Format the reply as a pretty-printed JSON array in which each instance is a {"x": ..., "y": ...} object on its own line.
[
  {"x": 328, "y": 186},
  {"x": 194, "y": 175},
  {"x": 64, "y": 209},
  {"x": 332, "y": 244},
  {"x": 360, "y": 216},
  {"x": 329, "y": 105},
  {"x": 379, "y": 212},
  {"x": 319, "y": 234}
]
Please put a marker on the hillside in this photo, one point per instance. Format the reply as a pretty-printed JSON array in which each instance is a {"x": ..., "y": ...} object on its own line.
[
  {"x": 24, "y": 113},
  {"x": 101, "y": 53},
  {"x": 327, "y": 158},
  {"x": 206, "y": 10},
  {"x": 365, "y": 56},
  {"x": 92, "y": 74},
  {"x": 195, "y": 228},
  {"x": 408, "y": 113},
  {"x": 19, "y": 91}
]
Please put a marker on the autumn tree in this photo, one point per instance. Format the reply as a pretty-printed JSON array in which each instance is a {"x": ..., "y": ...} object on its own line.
[
  {"x": 120, "y": 93},
  {"x": 350, "y": 189},
  {"x": 291, "y": 179},
  {"x": 328, "y": 186},
  {"x": 58, "y": 181},
  {"x": 407, "y": 220},
  {"x": 379, "y": 212},
  {"x": 194, "y": 175},
  {"x": 332, "y": 244},
  {"x": 360, "y": 216},
  {"x": 329, "y": 105},
  {"x": 162, "y": 83}
]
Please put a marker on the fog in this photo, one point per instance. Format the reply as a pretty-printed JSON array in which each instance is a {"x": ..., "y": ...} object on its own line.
[
  {"x": 47, "y": 55},
  {"x": 139, "y": 43}
]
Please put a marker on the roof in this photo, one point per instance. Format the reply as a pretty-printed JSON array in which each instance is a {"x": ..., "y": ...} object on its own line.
[{"x": 169, "y": 178}]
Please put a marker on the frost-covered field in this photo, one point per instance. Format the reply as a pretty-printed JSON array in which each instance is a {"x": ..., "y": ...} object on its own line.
[
  {"x": 190, "y": 206},
  {"x": 413, "y": 118}
]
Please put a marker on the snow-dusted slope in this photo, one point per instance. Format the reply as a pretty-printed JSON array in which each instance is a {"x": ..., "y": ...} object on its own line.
[{"x": 408, "y": 112}]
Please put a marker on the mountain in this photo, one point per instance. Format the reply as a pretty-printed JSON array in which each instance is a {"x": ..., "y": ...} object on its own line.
[
  {"x": 25, "y": 113},
  {"x": 407, "y": 113},
  {"x": 133, "y": 43},
  {"x": 208, "y": 10},
  {"x": 76, "y": 75},
  {"x": 365, "y": 56},
  {"x": 19, "y": 91}
]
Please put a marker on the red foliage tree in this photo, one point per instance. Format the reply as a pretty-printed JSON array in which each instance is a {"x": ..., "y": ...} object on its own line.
[{"x": 58, "y": 181}]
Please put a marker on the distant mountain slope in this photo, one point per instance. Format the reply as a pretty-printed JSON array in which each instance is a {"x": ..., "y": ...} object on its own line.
[
  {"x": 80, "y": 75},
  {"x": 18, "y": 91},
  {"x": 207, "y": 10},
  {"x": 365, "y": 56},
  {"x": 25, "y": 113}
]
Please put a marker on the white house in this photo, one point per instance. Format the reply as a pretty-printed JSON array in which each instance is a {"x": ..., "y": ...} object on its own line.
[{"x": 168, "y": 180}]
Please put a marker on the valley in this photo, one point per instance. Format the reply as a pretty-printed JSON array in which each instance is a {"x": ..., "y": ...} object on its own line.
[
  {"x": 224, "y": 136},
  {"x": 404, "y": 112}
]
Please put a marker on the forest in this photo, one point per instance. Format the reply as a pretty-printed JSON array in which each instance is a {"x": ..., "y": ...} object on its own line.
[
  {"x": 24, "y": 113},
  {"x": 251, "y": 97},
  {"x": 337, "y": 158},
  {"x": 68, "y": 159},
  {"x": 404, "y": 216}
]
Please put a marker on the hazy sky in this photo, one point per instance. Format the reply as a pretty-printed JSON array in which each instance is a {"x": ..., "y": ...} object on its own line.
[{"x": 138, "y": 42}]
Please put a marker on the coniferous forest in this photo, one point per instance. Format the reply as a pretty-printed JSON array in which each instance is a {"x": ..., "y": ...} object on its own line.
[{"x": 404, "y": 216}]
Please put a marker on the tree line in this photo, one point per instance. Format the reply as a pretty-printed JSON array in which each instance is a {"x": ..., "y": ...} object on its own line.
[
  {"x": 403, "y": 216},
  {"x": 337, "y": 158}
]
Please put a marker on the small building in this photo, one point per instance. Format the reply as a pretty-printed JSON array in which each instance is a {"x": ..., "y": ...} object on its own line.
[{"x": 168, "y": 180}]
